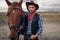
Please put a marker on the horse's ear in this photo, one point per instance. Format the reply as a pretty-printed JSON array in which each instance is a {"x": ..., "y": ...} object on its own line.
[
  {"x": 8, "y": 2},
  {"x": 20, "y": 2}
]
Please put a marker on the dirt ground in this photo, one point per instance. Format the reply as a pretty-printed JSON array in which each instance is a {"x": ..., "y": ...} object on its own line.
[{"x": 51, "y": 31}]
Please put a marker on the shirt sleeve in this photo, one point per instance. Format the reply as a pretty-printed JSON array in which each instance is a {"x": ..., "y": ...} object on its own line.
[{"x": 40, "y": 23}]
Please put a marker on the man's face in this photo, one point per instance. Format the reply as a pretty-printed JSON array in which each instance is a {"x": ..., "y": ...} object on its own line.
[{"x": 31, "y": 8}]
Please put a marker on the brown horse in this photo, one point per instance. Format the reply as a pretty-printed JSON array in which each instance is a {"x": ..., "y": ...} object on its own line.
[{"x": 14, "y": 13}]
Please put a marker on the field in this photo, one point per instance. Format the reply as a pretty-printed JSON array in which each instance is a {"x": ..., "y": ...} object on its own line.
[{"x": 51, "y": 26}]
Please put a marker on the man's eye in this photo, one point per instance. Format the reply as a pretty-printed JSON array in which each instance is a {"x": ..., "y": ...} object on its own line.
[{"x": 29, "y": 7}]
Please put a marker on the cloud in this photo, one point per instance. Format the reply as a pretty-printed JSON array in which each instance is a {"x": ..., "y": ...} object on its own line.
[
  {"x": 49, "y": 5},
  {"x": 3, "y": 4},
  {"x": 44, "y": 5}
]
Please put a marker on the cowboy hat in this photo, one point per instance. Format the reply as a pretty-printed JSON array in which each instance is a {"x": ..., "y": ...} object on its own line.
[{"x": 32, "y": 3}]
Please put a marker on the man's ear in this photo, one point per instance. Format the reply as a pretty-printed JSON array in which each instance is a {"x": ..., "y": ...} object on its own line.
[
  {"x": 20, "y": 2},
  {"x": 8, "y": 2}
]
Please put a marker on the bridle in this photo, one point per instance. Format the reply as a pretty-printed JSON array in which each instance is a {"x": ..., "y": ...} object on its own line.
[
  {"x": 15, "y": 27},
  {"x": 19, "y": 8}
]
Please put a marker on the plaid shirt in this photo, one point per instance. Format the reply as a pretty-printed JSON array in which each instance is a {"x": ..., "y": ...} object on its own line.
[{"x": 40, "y": 23}]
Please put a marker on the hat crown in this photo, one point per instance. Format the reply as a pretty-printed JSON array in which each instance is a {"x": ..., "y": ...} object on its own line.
[{"x": 32, "y": 2}]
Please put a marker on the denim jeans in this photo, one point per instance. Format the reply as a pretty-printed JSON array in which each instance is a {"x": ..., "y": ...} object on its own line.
[{"x": 27, "y": 37}]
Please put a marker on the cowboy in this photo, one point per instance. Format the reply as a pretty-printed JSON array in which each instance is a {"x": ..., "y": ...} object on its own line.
[{"x": 33, "y": 22}]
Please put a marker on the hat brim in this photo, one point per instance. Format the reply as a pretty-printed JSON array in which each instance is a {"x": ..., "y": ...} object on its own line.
[{"x": 29, "y": 3}]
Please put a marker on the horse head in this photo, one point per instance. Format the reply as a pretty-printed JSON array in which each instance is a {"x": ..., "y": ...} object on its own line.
[{"x": 14, "y": 14}]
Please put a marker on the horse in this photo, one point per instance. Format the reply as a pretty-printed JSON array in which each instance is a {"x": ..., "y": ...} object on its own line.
[{"x": 14, "y": 14}]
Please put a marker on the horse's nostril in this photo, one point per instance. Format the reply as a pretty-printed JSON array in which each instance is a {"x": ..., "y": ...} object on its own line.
[{"x": 13, "y": 33}]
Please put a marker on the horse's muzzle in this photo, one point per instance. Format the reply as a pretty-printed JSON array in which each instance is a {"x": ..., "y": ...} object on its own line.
[{"x": 13, "y": 31}]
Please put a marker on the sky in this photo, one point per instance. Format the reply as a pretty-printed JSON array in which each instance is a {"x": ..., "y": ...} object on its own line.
[{"x": 44, "y": 5}]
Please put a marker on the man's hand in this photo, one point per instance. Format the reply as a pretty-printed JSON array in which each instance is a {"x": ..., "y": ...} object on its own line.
[{"x": 34, "y": 36}]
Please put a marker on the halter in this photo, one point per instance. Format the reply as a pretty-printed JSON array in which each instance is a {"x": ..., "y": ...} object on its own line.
[
  {"x": 12, "y": 26},
  {"x": 17, "y": 8},
  {"x": 15, "y": 27}
]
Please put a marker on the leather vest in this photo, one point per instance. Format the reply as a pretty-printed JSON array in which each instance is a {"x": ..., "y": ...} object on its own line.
[{"x": 34, "y": 24}]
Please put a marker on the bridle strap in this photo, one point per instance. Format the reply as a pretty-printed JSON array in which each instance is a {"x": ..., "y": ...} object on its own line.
[
  {"x": 15, "y": 27},
  {"x": 17, "y": 8}
]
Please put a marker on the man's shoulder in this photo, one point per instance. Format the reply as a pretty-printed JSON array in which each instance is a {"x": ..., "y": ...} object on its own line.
[{"x": 38, "y": 14}]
